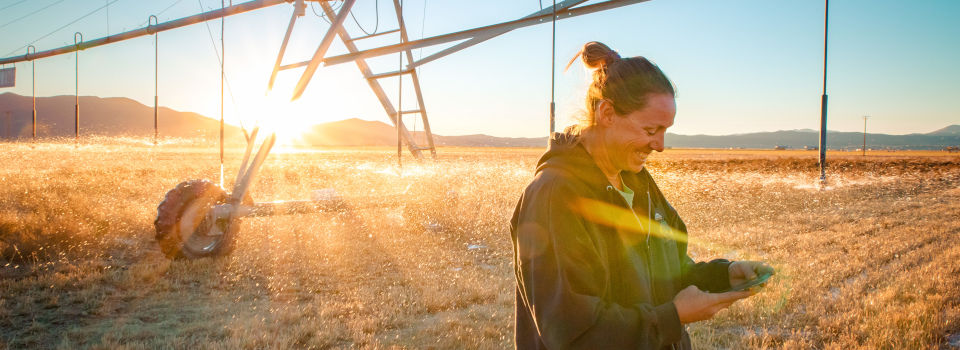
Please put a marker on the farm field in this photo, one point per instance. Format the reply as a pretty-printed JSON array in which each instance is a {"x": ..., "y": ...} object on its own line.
[{"x": 870, "y": 262}]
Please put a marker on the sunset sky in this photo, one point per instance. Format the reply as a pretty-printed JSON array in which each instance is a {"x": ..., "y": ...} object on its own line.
[{"x": 739, "y": 66}]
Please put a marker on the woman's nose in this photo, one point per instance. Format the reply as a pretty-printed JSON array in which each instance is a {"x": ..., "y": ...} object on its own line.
[{"x": 657, "y": 143}]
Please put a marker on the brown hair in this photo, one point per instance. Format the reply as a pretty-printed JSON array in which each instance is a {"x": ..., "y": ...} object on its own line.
[{"x": 625, "y": 82}]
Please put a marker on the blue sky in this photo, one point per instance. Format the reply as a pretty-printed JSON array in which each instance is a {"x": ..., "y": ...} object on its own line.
[{"x": 739, "y": 66}]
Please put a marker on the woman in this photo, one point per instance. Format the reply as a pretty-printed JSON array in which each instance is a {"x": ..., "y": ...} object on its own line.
[{"x": 600, "y": 255}]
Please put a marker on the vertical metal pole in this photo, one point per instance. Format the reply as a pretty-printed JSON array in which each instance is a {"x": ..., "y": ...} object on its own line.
[
  {"x": 8, "y": 126},
  {"x": 33, "y": 77},
  {"x": 77, "y": 80},
  {"x": 400, "y": 99},
  {"x": 33, "y": 66},
  {"x": 823, "y": 100},
  {"x": 553, "y": 69},
  {"x": 865, "y": 135},
  {"x": 156, "y": 75},
  {"x": 223, "y": 62}
]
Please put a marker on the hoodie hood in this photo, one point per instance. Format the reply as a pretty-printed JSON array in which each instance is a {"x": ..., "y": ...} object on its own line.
[{"x": 565, "y": 152}]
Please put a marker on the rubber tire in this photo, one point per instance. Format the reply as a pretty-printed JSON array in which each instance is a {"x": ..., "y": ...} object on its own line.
[{"x": 176, "y": 203}]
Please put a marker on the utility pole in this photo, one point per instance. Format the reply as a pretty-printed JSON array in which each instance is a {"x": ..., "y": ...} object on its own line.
[
  {"x": 553, "y": 73},
  {"x": 823, "y": 102},
  {"x": 865, "y": 134}
]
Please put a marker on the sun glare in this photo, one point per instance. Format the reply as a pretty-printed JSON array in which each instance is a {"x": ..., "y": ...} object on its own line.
[{"x": 290, "y": 120}]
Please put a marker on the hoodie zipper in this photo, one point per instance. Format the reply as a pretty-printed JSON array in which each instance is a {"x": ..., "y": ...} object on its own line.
[{"x": 647, "y": 241}]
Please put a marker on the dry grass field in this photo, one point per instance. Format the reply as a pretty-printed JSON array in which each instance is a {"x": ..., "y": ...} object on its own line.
[{"x": 871, "y": 262}]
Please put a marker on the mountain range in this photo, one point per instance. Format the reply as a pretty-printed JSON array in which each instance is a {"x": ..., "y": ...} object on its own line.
[
  {"x": 111, "y": 116},
  {"x": 119, "y": 116}
]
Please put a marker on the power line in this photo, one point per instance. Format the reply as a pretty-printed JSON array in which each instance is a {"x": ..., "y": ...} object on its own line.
[
  {"x": 161, "y": 12},
  {"x": 376, "y": 26},
  {"x": 30, "y": 14},
  {"x": 58, "y": 29},
  {"x": 13, "y": 4},
  {"x": 324, "y": 16},
  {"x": 214, "y": 43}
]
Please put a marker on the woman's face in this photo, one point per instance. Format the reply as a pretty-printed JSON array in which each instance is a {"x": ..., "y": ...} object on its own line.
[{"x": 631, "y": 138}]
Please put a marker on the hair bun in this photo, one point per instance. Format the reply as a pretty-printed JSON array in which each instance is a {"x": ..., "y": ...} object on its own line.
[{"x": 598, "y": 55}]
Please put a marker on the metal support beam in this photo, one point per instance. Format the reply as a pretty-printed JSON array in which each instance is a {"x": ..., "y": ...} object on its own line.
[
  {"x": 563, "y": 5},
  {"x": 415, "y": 111},
  {"x": 476, "y": 32},
  {"x": 183, "y": 22},
  {"x": 77, "y": 77},
  {"x": 33, "y": 77},
  {"x": 389, "y": 74},
  {"x": 297, "y": 12},
  {"x": 375, "y": 35},
  {"x": 376, "y": 87},
  {"x": 335, "y": 25},
  {"x": 414, "y": 77},
  {"x": 151, "y": 21}
]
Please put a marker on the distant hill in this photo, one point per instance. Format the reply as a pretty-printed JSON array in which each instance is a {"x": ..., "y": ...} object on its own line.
[
  {"x": 798, "y": 139},
  {"x": 126, "y": 117},
  {"x": 375, "y": 133},
  {"x": 950, "y": 130},
  {"x": 114, "y": 116}
]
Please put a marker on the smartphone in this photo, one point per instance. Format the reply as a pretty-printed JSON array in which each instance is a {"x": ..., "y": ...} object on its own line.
[{"x": 760, "y": 280}]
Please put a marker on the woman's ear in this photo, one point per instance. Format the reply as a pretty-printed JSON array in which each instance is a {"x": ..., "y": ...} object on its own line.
[{"x": 604, "y": 113}]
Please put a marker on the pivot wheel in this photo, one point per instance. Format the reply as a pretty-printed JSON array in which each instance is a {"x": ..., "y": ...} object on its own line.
[{"x": 184, "y": 228}]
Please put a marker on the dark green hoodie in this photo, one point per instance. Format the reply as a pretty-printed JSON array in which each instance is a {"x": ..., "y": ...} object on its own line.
[{"x": 591, "y": 274}]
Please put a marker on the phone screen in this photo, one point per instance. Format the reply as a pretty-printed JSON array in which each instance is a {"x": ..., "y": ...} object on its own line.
[{"x": 749, "y": 284}]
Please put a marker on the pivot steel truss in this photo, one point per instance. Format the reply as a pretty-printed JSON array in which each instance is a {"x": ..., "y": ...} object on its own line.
[
  {"x": 337, "y": 29},
  {"x": 562, "y": 10}
]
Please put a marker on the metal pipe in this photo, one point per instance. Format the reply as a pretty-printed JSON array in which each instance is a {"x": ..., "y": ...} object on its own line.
[
  {"x": 314, "y": 63},
  {"x": 156, "y": 79},
  {"x": 246, "y": 155},
  {"x": 399, "y": 6},
  {"x": 375, "y": 35},
  {"x": 77, "y": 80},
  {"x": 240, "y": 189},
  {"x": 183, "y": 22},
  {"x": 823, "y": 101},
  {"x": 468, "y": 34},
  {"x": 33, "y": 77},
  {"x": 553, "y": 71},
  {"x": 563, "y": 5},
  {"x": 223, "y": 62},
  {"x": 283, "y": 48},
  {"x": 865, "y": 135}
]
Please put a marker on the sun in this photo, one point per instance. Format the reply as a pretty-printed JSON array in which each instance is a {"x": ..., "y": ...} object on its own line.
[{"x": 275, "y": 113}]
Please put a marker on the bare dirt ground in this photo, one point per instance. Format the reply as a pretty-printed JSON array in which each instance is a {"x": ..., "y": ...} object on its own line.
[{"x": 870, "y": 262}]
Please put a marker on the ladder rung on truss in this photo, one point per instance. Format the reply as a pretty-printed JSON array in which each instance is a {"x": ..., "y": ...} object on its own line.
[
  {"x": 373, "y": 81},
  {"x": 414, "y": 111},
  {"x": 375, "y": 35},
  {"x": 390, "y": 74}
]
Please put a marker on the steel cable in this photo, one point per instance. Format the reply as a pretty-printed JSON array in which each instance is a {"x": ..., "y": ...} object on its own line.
[{"x": 61, "y": 28}]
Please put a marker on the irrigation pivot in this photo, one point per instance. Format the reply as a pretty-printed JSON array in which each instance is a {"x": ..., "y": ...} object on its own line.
[
  {"x": 467, "y": 38},
  {"x": 199, "y": 219}
]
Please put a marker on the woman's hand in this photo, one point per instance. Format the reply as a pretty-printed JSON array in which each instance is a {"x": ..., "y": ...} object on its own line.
[
  {"x": 743, "y": 271},
  {"x": 695, "y": 305}
]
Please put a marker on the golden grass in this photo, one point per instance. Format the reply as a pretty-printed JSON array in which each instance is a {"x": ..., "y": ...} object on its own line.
[{"x": 870, "y": 263}]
